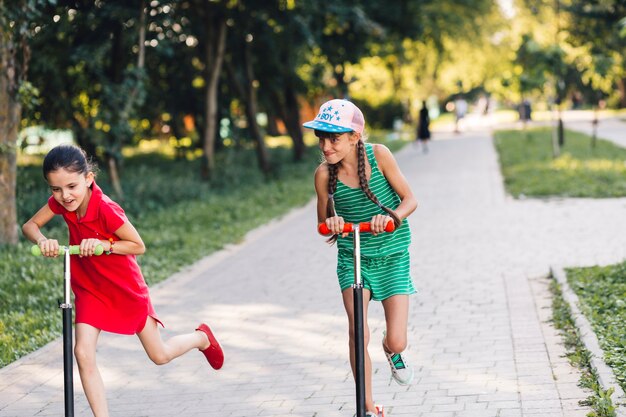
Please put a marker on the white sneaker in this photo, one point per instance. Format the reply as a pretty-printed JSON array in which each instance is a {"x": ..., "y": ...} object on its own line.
[{"x": 400, "y": 370}]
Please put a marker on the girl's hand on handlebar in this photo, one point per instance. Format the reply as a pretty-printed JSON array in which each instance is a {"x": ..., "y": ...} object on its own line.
[
  {"x": 378, "y": 223},
  {"x": 335, "y": 225},
  {"x": 88, "y": 247},
  {"x": 49, "y": 247}
]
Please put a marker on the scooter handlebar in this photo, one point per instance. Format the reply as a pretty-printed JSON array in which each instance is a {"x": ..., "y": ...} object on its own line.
[
  {"x": 74, "y": 250},
  {"x": 349, "y": 227}
]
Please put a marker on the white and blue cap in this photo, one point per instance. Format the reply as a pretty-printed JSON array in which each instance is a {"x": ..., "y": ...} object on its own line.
[{"x": 338, "y": 116}]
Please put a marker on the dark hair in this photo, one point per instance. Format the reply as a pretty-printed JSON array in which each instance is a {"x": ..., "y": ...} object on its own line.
[
  {"x": 333, "y": 170},
  {"x": 322, "y": 134},
  {"x": 68, "y": 157}
]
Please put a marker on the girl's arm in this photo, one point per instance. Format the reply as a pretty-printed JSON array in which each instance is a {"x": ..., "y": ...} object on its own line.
[
  {"x": 32, "y": 231},
  {"x": 32, "y": 228},
  {"x": 321, "y": 189},
  {"x": 335, "y": 223},
  {"x": 130, "y": 243},
  {"x": 390, "y": 169}
]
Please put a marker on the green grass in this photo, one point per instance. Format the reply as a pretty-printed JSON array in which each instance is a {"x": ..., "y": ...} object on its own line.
[
  {"x": 530, "y": 169},
  {"x": 180, "y": 218},
  {"x": 600, "y": 401},
  {"x": 602, "y": 295}
]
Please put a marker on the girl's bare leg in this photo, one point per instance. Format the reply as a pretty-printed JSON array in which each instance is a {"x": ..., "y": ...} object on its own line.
[
  {"x": 162, "y": 352},
  {"x": 85, "y": 352},
  {"x": 348, "y": 302},
  {"x": 396, "y": 317}
]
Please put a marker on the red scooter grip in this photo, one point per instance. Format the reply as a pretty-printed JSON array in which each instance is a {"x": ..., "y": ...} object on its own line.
[{"x": 349, "y": 227}]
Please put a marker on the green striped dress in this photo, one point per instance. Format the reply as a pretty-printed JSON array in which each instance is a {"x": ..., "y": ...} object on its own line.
[{"x": 385, "y": 262}]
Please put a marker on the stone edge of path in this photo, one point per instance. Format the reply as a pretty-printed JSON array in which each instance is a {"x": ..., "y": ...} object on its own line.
[{"x": 606, "y": 377}]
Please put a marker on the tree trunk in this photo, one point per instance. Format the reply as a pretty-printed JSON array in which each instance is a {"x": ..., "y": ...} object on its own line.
[
  {"x": 251, "y": 112},
  {"x": 272, "y": 123},
  {"x": 214, "y": 57},
  {"x": 114, "y": 176},
  {"x": 141, "y": 56},
  {"x": 621, "y": 86},
  {"x": 340, "y": 77},
  {"x": 115, "y": 140},
  {"x": 82, "y": 138},
  {"x": 12, "y": 72},
  {"x": 292, "y": 121},
  {"x": 287, "y": 109},
  {"x": 117, "y": 77},
  {"x": 10, "y": 114},
  {"x": 247, "y": 94}
]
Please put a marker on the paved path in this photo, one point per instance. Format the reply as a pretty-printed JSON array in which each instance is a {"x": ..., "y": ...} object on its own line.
[{"x": 479, "y": 333}]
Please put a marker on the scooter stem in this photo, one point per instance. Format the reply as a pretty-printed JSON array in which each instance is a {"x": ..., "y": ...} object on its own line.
[
  {"x": 68, "y": 357},
  {"x": 359, "y": 348}
]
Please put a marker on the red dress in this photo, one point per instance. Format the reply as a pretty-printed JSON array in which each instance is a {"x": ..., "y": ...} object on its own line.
[{"x": 109, "y": 290}]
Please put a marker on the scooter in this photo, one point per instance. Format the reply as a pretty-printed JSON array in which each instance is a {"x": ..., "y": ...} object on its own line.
[
  {"x": 66, "y": 306},
  {"x": 357, "y": 291}
]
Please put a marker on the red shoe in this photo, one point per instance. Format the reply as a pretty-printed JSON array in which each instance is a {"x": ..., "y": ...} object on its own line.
[{"x": 213, "y": 353}]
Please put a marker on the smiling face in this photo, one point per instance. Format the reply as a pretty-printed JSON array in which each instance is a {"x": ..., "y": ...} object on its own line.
[
  {"x": 336, "y": 146},
  {"x": 71, "y": 189}
]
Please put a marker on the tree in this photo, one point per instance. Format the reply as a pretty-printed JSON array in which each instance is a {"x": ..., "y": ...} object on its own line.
[
  {"x": 281, "y": 45},
  {"x": 424, "y": 39},
  {"x": 342, "y": 31},
  {"x": 598, "y": 28},
  {"x": 17, "y": 27},
  {"x": 210, "y": 28},
  {"x": 241, "y": 61},
  {"x": 89, "y": 68}
]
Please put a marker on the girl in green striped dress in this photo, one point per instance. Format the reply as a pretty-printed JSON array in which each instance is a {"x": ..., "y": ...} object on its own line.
[{"x": 361, "y": 182}]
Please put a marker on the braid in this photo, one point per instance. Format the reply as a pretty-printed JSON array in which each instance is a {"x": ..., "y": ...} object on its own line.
[
  {"x": 333, "y": 170},
  {"x": 365, "y": 185},
  {"x": 333, "y": 173}
]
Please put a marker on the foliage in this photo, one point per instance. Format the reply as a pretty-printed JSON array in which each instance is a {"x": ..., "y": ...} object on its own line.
[
  {"x": 601, "y": 63},
  {"x": 602, "y": 291},
  {"x": 581, "y": 171},
  {"x": 539, "y": 65},
  {"x": 578, "y": 355},
  {"x": 450, "y": 44},
  {"x": 83, "y": 56},
  {"x": 18, "y": 25},
  {"x": 342, "y": 31},
  {"x": 382, "y": 116},
  {"x": 400, "y": 52}
]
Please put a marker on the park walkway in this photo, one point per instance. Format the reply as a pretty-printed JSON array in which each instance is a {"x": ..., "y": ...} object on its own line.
[{"x": 479, "y": 331}]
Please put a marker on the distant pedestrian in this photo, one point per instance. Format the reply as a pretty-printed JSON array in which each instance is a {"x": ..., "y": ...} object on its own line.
[
  {"x": 460, "y": 109},
  {"x": 110, "y": 292},
  {"x": 423, "y": 127},
  {"x": 525, "y": 111},
  {"x": 361, "y": 182}
]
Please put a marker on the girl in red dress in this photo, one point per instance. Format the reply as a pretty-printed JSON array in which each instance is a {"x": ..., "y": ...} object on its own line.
[{"x": 110, "y": 292}]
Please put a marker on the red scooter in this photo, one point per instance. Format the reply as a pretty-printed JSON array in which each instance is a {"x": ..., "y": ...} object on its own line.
[{"x": 357, "y": 291}]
